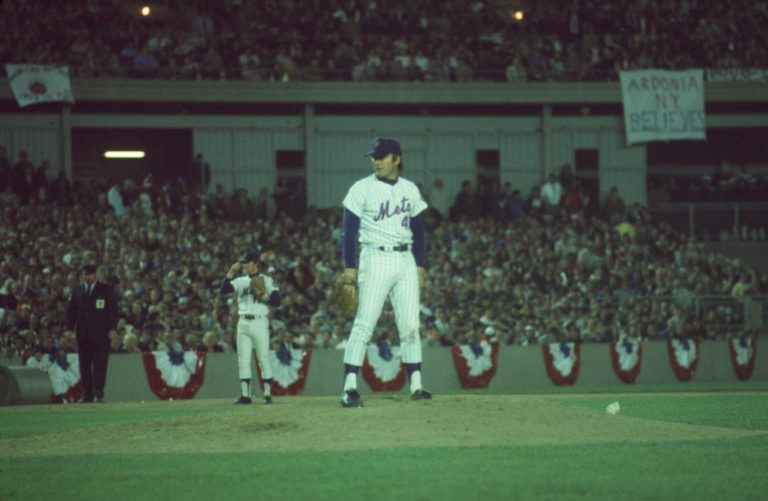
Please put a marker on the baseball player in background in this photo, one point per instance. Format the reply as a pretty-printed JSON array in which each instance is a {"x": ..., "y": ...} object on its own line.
[
  {"x": 253, "y": 304},
  {"x": 383, "y": 212}
]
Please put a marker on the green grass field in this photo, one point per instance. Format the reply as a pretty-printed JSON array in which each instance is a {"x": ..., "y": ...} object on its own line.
[{"x": 710, "y": 442}]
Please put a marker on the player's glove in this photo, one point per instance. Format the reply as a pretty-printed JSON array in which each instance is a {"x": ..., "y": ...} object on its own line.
[
  {"x": 258, "y": 287},
  {"x": 345, "y": 294}
]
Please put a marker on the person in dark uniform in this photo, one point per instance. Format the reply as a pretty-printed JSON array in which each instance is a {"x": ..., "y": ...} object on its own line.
[{"x": 92, "y": 313}]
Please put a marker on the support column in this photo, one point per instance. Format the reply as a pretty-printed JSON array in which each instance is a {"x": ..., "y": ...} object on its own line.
[
  {"x": 546, "y": 140},
  {"x": 310, "y": 153},
  {"x": 65, "y": 135}
]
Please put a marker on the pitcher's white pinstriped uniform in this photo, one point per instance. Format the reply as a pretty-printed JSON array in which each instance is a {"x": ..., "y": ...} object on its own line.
[
  {"x": 252, "y": 327},
  {"x": 385, "y": 211}
]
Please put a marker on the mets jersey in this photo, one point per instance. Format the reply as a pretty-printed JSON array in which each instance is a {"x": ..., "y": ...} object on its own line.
[
  {"x": 385, "y": 210},
  {"x": 246, "y": 303}
]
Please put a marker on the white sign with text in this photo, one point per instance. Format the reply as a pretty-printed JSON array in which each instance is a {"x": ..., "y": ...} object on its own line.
[{"x": 662, "y": 105}]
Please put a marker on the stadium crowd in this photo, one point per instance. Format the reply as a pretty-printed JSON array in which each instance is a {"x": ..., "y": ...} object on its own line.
[
  {"x": 741, "y": 186},
  {"x": 535, "y": 269},
  {"x": 451, "y": 40}
]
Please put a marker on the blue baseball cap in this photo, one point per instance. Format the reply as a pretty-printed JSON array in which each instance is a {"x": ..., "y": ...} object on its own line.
[
  {"x": 383, "y": 146},
  {"x": 250, "y": 257}
]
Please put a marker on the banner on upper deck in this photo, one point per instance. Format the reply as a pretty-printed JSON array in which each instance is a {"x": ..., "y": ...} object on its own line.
[
  {"x": 663, "y": 105},
  {"x": 37, "y": 83}
]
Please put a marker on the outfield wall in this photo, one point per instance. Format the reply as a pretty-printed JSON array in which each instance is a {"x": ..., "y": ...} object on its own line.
[{"x": 517, "y": 367}]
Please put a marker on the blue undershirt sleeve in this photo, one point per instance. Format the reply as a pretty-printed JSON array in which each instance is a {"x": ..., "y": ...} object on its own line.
[
  {"x": 417, "y": 228},
  {"x": 349, "y": 238},
  {"x": 226, "y": 286},
  {"x": 274, "y": 299}
]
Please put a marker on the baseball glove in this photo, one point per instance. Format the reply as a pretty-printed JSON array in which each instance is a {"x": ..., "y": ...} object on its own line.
[
  {"x": 258, "y": 287},
  {"x": 345, "y": 294}
]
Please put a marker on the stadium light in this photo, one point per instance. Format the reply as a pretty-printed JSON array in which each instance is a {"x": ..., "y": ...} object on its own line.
[{"x": 123, "y": 154}]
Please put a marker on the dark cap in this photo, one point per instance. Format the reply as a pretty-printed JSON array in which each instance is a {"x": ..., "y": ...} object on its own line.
[
  {"x": 383, "y": 146},
  {"x": 89, "y": 268},
  {"x": 249, "y": 257}
]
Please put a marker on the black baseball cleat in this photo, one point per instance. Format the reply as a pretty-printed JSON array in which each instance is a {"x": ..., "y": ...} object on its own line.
[
  {"x": 421, "y": 394},
  {"x": 243, "y": 400},
  {"x": 351, "y": 398},
  {"x": 267, "y": 399}
]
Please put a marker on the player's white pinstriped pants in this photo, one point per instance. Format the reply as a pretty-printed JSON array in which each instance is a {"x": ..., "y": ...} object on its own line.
[
  {"x": 253, "y": 334},
  {"x": 381, "y": 273}
]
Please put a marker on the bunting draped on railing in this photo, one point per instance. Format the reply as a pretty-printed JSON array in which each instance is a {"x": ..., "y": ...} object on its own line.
[
  {"x": 743, "y": 350},
  {"x": 290, "y": 367},
  {"x": 63, "y": 371},
  {"x": 684, "y": 357},
  {"x": 475, "y": 363},
  {"x": 626, "y": 355},
  {"x": 562, "y": 361},
  {"x": 383, "y": 369},
  {"x": 174, "y": 375}
]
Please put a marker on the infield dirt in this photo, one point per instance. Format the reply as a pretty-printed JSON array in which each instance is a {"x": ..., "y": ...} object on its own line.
[{"x": 319, "y": 423}]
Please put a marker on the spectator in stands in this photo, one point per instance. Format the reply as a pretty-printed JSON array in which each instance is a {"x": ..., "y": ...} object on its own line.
[
  {"x": 534, "y": 205},
  {"x": 8, "y": 295},
  {"x": 5, "y": 169},
  {"x": 250, "y": 65},
  {"x": 145, "y": 65},
  {"x": 130, "y": 343},
  {"x": 22, "y": 178},
  {"x": 574, "y": 200},
  {"x": 744, "y": 286},
  {"x": 515, "y": 72},
  {"x": 551, "y": 195},
  {"x": 613, "y": 206},
  {"x": 264, "y": 205},
  {"x": 438, "y": 198},
  {"x": 212, "y": 65},
  {"x": 211, "y": 343},
  {"x": 115, "y": 199},
  {"x": 465, "y": 203}
]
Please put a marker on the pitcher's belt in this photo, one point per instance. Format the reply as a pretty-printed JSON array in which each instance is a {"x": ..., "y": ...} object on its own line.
[
  {"x": 252, "y": 317},
  {"x": 393, "y": 248}
]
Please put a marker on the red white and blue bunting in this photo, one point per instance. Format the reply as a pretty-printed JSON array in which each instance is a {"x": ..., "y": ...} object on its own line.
[
  {"x": 562, "y": 361},
  {"x": 743, "y": 350},
  {"x": 383, "y": 369},
  {"x": 63, "y": 370},
  {"x": 684, "y": 357},
  {"x": 626, "y": 355},
  {"x": 174, "y": 375},
  {"x": 289, "y": 370},
  {"x": 475, "y": 363}
]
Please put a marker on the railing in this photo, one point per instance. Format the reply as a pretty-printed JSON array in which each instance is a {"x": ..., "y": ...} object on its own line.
[
  {"x": 742, "y": 313},
  {"x": 708, "y": 222}
]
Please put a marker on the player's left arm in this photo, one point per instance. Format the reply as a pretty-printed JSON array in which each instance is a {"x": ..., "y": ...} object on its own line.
[
  {"x": 419, "y": 246},
  {"x": 273, "y": 293},
  {"x": 226, "y": 284},
  {"x": 349, "y": 239}
]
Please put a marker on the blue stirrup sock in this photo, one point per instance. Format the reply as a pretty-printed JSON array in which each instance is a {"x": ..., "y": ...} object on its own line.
[
  {"x": 414, "y": 375},
  {"x": 350, "y": 376}
]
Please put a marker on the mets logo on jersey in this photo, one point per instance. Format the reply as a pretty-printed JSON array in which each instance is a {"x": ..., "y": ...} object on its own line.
[{"x": 385, "y": 211}]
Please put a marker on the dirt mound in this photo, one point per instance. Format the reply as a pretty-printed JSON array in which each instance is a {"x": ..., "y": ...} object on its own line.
[{"x": 319, "y": 423}]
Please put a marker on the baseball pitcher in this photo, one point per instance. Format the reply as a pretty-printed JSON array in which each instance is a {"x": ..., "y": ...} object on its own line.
[{"x": 383, "y": 212}]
